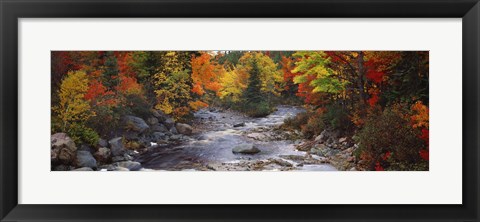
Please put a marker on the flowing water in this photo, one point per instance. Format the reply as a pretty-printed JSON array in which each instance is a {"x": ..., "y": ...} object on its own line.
[{"x": 215, "y": 135}]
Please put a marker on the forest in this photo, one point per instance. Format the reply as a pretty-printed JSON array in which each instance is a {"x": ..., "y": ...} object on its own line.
[{"x": 240, "y": 110}]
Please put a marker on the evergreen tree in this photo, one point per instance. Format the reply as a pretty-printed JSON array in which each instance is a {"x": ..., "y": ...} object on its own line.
[
  {"x": 253, "y": 94},
  {"x": 110, "y": 72}
]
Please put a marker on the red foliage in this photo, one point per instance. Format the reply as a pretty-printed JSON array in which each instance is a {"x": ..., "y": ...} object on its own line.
[
  {"x": 373, "y": 100},
  {"x": 386, "y": 155},
  {"x": 425, "y": 136},
  {"x": 424, "y": 154},
  {"x": 378, "y": 167},
  {"x": 95, "y": 90}
]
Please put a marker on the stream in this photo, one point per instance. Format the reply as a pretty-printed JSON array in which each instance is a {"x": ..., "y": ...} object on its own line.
[{"x": 216, "y": 132}]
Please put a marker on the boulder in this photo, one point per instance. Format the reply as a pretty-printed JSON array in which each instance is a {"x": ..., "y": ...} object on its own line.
[
  {"x": 152, "y": 121},
  {"x": 85, "y": 147},
  {"x": 158, "y": 136},
  {"x": 83, "y": 169},
  {"x": 239, "y": 125},
  {"x": 102, "y": 143},
  {"x": 246, "y": 148},
  {"x": 85, "y": 159},
  {"x": 169, "y": 123},
  {"x": 103, "y": 155},
  {"x": 173, "y": 130},
  {"x": 63, "y": 149},
  {"x": 161, "y": 117},
  {"x": 343, "y": 139},
  {"x": 116, "y": 146},
  {"x": 159, "y": 128},
  {"x": 136, "y": 124},
  {"x": 130, "y": 165},
  {"x": 184, "y": 129}
]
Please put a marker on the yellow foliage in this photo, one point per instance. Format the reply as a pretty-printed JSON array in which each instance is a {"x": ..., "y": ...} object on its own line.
[
  {"x": 271, "y": 77},
  {"x": 73, "y": 107},
  {"x": 420, "y": 118}
]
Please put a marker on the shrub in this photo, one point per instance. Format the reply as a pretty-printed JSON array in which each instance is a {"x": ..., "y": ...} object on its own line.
[
  {"x": 296, "y": 122},
  {"x": 337, "y": 117},
  {"x": 105, "y": 121},
  {"x": 83, "y": 134},
  {"x": 260, "y": 109},
  {"x": 136, "y": 105},
  {"x": 389, "y": 140},
  {"x": 314, "y": 126}
]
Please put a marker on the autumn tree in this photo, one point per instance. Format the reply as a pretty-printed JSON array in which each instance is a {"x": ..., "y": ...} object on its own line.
[{"x": 73, "y": 110}]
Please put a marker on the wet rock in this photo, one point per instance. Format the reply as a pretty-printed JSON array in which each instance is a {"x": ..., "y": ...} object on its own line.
[
  {"x": 239, "y": 125},
  {"x": 257, "y": 136},
  {"x": 282, "y": 163},
  {"x": 136, "y": 124},
  {"x": 103, "y": 155},
  {"x": 116, "y": 146},
  {"x": 85, "y": 159},
  {"x": 63, "y": 149},
  {"x": 184, "y": 128},
  {"x": 152, "y": 121},
  {"x": 130, "y": 165},
  {"x": 246, "y": 148},
  {"x": 83, "y": 169}
]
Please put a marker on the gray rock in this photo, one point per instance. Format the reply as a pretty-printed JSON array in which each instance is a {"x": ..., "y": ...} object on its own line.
[
  {"x": 152, "y": 121},
  {"x": 246, "y": 148},
  {"x": 184, "y": 129},
  {"x": 85, "y": 159},
  {"x": 63, "y": 168},
  {"x": 173, "y": 130},
  {"x": 158, "y": 136},
  {"x": 159, "y": 128},
  {"x": 136, "y": 124},
  {"x": 161, "y": 117},
  {"x": 120, "y": 169},
  {"x": 103, "y": 155},
  {"x": 116, "y": 146},
  {"x": 63, "y": 149},
  {"x": 118, "y": 159},
  {"x": 169, "y": 123},
  {"x": 130, "y": 165},
  {"x": 239, "y": 125},
  {"x": 85, "y": 147},
  {"x": 83, "y": 169},
  {"x": 102, "y": 143}
]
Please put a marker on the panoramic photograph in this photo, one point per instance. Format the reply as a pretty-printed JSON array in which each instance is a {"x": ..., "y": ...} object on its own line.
[{"x": 239, "y": 110}]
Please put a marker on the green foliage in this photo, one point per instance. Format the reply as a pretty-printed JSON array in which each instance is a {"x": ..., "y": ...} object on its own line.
[
  {"x": 337, "y": 117},
  {"x": 260, "y": 109},
  {"x": 110, "y": 71},
  {"x": 83, "y": 134},
  {"x": 389, "y": 132},
  {"x": 106, "y": 120}
]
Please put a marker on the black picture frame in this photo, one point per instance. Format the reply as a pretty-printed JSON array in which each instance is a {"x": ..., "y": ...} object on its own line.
[{"x": 11, "y": 11}]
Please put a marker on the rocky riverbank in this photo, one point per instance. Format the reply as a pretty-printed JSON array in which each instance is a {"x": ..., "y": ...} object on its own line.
[{"x": 216, "y": 140}]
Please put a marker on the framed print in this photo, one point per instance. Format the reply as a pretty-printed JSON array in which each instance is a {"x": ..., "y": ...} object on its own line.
[{"x": 227, "y": 111}]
